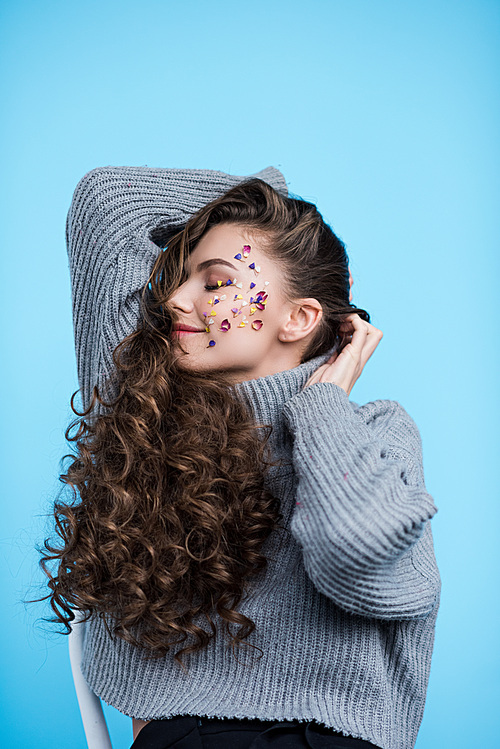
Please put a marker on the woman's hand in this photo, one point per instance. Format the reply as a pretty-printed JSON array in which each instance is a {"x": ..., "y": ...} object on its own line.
[{"x": 344, "y": 368}]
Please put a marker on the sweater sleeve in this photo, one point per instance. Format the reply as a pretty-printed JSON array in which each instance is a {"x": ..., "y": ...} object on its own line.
[
  {"x": 362, "y": 514},
  {"x": 117, "y": 217}
]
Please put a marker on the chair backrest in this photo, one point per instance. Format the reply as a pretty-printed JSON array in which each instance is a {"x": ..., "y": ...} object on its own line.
[{"x": 94, "y": 722}]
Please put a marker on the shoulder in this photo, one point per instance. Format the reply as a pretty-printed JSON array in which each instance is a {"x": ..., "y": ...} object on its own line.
[
  {"x": 395, "y": 429},
  {"x": 390, "y": 420},
  {"x": 383, "y": 418}
]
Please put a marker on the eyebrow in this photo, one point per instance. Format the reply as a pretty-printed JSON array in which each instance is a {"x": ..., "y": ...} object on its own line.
[{"x": 214, "y": 261}]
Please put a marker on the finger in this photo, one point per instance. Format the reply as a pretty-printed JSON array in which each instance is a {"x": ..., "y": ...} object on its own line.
[
  {"x": 359, "y": 334},
  {"x": 370, "y": 343},
  {"x": 364, "y": 340},
  {"x": 349, "y": 324}
]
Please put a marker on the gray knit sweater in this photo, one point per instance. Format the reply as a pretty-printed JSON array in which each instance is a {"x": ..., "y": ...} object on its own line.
[{"x": 346, "y": 610}]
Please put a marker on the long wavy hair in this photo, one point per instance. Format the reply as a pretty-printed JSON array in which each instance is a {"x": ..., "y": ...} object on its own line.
[{"x": 169, "y": 509}]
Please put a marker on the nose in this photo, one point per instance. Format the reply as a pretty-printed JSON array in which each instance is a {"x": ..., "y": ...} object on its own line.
[{"x": 180, "y": 299}]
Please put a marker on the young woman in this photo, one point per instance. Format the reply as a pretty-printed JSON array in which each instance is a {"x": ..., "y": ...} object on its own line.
[{"x": 227, "y": 492}]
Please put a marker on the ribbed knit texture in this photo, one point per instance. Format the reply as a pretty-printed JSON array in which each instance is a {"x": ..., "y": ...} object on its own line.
[{"x": 346, "y": 610}]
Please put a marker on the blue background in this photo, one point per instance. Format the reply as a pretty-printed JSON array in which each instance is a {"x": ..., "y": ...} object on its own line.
[{"x": 386, "y": 115}]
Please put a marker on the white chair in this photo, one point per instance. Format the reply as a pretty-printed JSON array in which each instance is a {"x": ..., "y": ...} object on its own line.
[{"x": 94, "y": 722}]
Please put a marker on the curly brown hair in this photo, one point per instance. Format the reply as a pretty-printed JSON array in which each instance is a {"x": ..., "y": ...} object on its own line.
[{"x": 170, "y": 510}]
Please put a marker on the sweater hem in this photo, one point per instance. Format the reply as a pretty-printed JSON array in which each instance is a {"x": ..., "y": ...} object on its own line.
[
  {"x": 277, "y": 715},
  {"x": 233, "y": 715}
]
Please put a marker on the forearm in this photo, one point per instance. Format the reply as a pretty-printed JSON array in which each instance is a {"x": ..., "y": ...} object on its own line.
[
  {"x": 118, "y": 199},
  {"x": 109, "y": 226},
  {"x": 361, "y": 507}
]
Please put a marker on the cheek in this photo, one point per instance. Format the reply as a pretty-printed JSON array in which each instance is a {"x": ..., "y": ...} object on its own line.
[{"x": 236, "y": 309}]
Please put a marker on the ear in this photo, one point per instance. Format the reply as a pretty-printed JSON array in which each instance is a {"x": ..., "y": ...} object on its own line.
[
  {"x": 303, "y": 317},
  {"x": 350, "y": 285}
]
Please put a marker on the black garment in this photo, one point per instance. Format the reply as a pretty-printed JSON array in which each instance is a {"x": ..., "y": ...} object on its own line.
[{"x": 193, "y": 732}]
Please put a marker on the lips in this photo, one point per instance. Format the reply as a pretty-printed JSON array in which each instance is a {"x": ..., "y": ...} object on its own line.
[
  {"x": 187, "y": 329},
  {"x": 184, "y": 333},
  {"x": 181, "y": 331}
]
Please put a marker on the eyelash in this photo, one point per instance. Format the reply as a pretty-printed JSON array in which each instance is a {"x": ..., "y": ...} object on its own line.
[{"x": 211, "y": 288}]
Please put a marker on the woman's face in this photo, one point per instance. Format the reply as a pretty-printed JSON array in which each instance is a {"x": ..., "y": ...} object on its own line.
[{"x": 232, "y": 296}]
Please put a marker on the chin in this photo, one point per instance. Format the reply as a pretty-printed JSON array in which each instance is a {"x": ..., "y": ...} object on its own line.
[{"x": 192, "y": 361}]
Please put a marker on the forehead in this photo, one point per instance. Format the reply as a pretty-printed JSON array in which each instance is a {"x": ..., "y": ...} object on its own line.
[
  {"x": 221, "y": 242},
  {"x": 225, "y": 240}
]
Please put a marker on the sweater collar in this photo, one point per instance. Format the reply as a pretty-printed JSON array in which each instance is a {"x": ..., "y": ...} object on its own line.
[{"x": 267, "y": 395}]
